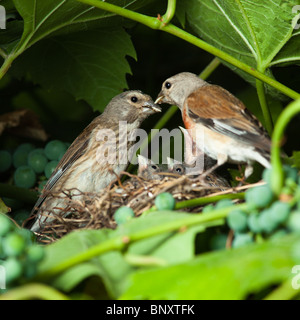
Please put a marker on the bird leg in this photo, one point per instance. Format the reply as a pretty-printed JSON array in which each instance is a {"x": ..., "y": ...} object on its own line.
[{"x": 245, "y": 176}]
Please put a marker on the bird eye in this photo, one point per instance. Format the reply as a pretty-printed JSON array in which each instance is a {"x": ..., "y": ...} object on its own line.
[
  {"x": 134, "y": 99},
  {"x": 168, "y": 85},
  {"x": 179, "y": 170},
  {"x": 154, "y": 166}
]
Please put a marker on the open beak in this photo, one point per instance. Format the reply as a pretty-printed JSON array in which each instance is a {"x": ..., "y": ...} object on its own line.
[
  {"x": 160, "y": 98},
  {"x": 150, "y": 106}
]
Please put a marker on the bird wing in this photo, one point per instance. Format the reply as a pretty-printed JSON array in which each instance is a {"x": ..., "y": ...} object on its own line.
[
  {"x": 220, "y": 111},
  {"x": 75, "y": 151}
]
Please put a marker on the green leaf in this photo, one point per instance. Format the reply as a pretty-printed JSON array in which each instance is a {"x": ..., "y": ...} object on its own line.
[
  {"x": 89, "y": 65},
  {"x": 290, "y": 52},
  {"x": 111, "y": 266},
  {"x": 224, "y": 274},
  {"x": 254, "y": 32},
  {"x": 45, "y": 17}
]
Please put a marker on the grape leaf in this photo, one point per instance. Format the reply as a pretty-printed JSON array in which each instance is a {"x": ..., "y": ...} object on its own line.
[
  {"x": 89, "y": 65},
  {"x": 219, "y": 275},
  {"x": 290, "y": 53},
  {"x": 75, "y": 50},
  {"x": 112, "y": 267},
  {"x": 253, "y": 32},
  {"x": 45, "y": 17}
]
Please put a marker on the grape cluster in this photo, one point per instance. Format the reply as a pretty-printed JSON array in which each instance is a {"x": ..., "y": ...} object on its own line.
[
  {"x": 19, "y": 255},
  {"x": 29, "y": 167},
  {"x": 268, "y": 216}
]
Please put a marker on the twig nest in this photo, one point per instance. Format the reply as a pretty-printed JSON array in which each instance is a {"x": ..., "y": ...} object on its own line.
[{"x": 96, "y": 211}]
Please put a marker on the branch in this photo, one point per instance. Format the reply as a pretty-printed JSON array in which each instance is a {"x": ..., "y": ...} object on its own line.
[{"x": 156, "y": 23}]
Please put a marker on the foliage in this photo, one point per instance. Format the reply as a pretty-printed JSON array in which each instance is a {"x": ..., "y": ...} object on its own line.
[{"x": 82, "y": 50}]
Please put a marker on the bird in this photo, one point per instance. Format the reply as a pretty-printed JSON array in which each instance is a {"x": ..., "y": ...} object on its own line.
[
  {"x": 96, "y": 156},
  {"x": 148, "y": 170},
  {"x": 212, "y": 179},
  {"x": 219, "y": 123}
]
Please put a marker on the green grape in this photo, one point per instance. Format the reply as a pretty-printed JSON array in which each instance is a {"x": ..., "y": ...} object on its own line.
[
  {"x": 50, "y": 167},
  {"x": 237, "y": 220},
  {"x": 37, "y": 160},
  {"x": 224, "y": 203},
  {"x": 20, "y": 158},
  {"x": 25, "y": 147},
  {"x": 28, "y": 236},
  {"x": 5, "y": 160},
  {"x": 123, "y": 214},
  {"x": 21, "y": 153},
  {"x": 165, "y": 201},
  {"x": 253, "y": 223},
  {"x": 21, "y": 215},
  {"x": 25, "y": 177},
  {"x": 208, "y": 208},
  {"x": 35, "y": 253},
  {"x": 267, "y": 222},
  {"x": 61, "y": 155},
  {"x": 260, "y": 196},
  {"x": 241, "y": 240},
  {"x": 293, "y": 222},
  {"x": 54, "y": 149},
  {"x": 279, "y": 211},
  {"x": 5, "y": 225},
  {"x": 218, "y": 241},
  {"x": 13, "y": 269},
  {"x": 13, "y": 244}
]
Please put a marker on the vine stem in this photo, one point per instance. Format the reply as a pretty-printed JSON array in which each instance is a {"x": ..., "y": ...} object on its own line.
[
  {"x": 285, "y": 117},
  {"x": 34, "y": 291},
  {"x": 167, "y": 17},
  {"x": 260, "y": 87},
  {"x": 157, "y": 23}
]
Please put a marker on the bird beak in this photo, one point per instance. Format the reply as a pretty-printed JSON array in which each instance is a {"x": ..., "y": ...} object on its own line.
[
  {"x": 149, "y": 105},
  {"x": 160, "y": 98}
]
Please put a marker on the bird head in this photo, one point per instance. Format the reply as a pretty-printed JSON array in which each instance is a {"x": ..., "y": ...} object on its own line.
[
  {"x": 131, "y": 105},
  {"x": 177, "y": 88}
]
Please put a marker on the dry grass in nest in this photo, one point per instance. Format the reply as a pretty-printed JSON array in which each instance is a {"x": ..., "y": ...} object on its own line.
[{"x": 95, "y": 211}]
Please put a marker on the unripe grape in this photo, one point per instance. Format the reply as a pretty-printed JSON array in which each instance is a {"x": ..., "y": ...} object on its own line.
[{"x": 165, "y": 201}]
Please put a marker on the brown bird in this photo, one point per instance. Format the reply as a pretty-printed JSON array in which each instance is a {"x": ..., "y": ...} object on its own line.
[
  {"x": 218, "y": 122},
  {"x": 97, "y": 155}
]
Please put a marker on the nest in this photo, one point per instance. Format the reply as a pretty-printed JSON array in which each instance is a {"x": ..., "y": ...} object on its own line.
[{"x": 95, "y": 211}]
